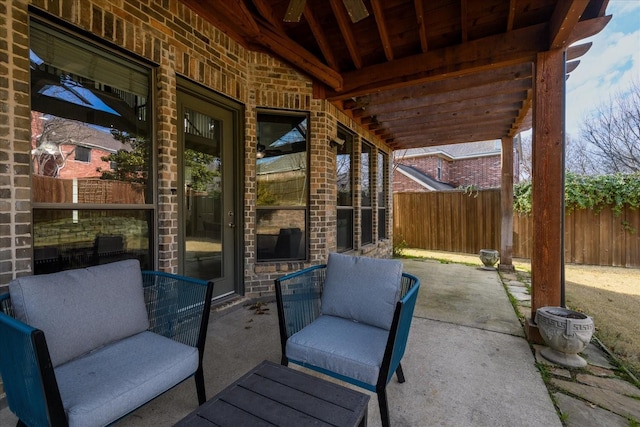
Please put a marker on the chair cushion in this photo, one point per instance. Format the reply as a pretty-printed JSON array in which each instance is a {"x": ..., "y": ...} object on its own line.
[
  {"x": 105, "y": 385},
  {"x": 362, "y": 289},
  {"x": 339, "y": 345},
  {"x": 80, "y": 310}
]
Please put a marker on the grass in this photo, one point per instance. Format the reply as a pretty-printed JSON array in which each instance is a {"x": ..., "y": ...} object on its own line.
[{"x": 610, "y": 295}]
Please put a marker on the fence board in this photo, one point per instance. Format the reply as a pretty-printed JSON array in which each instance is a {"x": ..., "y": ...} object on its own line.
[
  {"x": 90, "y": 190},
  {"x": 458, "y": 222}
]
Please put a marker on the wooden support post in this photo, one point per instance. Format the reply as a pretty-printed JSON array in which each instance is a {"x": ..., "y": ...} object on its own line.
[
  {"x": 547, "y": 261},
  {"x": 506, "y": 206}
]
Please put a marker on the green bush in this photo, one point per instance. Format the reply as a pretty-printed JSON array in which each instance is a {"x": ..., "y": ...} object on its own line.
[{"x": 588, "y": 192}]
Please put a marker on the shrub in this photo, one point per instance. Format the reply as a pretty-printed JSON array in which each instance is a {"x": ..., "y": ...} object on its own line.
[{"x": 588, "y": 192}]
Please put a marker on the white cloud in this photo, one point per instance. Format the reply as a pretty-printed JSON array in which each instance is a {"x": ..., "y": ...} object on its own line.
[{"x": 609, "y": 66}]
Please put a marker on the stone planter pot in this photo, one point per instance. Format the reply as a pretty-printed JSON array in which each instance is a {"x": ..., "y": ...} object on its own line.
[
  {"x": 566, "y": 332},
  {"x": 489, "y": 257}
]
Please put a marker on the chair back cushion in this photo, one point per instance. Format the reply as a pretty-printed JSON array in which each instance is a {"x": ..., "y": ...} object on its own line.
[
  {"x": 362, "y": 289},
  {"x": 81, "y": 310}
]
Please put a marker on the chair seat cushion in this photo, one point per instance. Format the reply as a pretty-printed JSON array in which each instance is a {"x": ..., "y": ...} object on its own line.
[
  {"x": 339, "y": 345},
  {"x": 361, "y": 288},
  {"x": 83, "y": 309},
  {"x": 102, "y": 386}
]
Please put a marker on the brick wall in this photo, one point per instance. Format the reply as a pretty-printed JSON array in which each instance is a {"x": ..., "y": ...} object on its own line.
[
  {"x": 15, "y": 145},
  {"x": 170, "y": 35},
  {"x": 483, "y": 172},
  {"x": 404, "y": 184}
]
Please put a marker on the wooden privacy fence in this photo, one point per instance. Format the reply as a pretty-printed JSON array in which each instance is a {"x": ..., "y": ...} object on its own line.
[
  {"x": 87, "y": 190},
  {"x": 455, "y": 221}
]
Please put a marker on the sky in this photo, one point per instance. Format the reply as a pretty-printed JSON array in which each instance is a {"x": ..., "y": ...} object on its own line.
[{"x": 608, "y": 67}]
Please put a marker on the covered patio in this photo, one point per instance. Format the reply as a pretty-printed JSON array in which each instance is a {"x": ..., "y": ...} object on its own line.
[
  {"x": 467, "y": 361},
  {"x": 392, "y": 75}
]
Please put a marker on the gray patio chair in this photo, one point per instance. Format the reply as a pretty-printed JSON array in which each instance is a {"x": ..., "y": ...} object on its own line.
[{"x": 349, "y": 319}]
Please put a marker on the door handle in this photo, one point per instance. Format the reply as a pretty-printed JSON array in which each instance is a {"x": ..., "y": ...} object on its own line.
[{"x": 232, "y": 225}]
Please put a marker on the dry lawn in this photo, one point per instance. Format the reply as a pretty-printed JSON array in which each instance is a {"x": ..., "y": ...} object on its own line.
[{"x": 611, "y": 295}]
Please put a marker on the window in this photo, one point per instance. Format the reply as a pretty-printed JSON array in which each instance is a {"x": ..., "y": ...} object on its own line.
[
  {"x": 439, "y": 170},
  {"x": 100, "y": 208},
  {"x": 382, "y": 183},
  {"x": 344, "y": 182},
  {"x": 83, "y": 154},
  {"x": 366, "y": 188},
  {"x": 282, "y": 187}
]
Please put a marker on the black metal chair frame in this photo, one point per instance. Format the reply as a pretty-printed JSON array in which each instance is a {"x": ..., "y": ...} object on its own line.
[
  {"x": 163, "y": 294},
  {"x": 298, "y": 298}
]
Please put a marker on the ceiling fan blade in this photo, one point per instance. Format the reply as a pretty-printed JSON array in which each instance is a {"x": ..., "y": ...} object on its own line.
[
  {"x": 356, "y": 9},
  {"x": 294, "y": 11}
]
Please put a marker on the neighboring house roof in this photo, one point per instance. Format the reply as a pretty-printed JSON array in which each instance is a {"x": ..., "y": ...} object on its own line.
[
  {"x": 282, "y": 163},
  {"x": 423, "y": 179},
  {"x": 454, "y": 151}
]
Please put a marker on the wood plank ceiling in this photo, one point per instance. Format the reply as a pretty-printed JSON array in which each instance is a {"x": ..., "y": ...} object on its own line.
[{"x": 418, "y": 72}]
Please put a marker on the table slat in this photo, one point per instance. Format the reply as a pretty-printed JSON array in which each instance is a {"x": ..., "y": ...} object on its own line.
[
  {"x": 223, "y": 413},
  {"x": 325, "y": 390}
]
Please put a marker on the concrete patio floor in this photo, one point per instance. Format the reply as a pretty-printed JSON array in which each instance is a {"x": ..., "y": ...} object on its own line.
[{"x": 467, "y": 361}]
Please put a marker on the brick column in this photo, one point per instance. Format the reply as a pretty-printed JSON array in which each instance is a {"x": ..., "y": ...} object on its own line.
[{"x": 15, "y": 144}]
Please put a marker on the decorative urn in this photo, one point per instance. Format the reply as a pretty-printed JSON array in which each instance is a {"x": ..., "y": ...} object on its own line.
[
  {"x": 566, "y": 333},
  {"x": 489, "y": 257}
]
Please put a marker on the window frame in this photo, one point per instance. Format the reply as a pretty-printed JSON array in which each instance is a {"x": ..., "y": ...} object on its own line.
[
  {"x": 102, "y": 49},
  {"x": 276, "y": 208},
  {"x": 86, "y": 154},
  {"x": 346, "y": 211},
  {"x": 366, "y": 176},
  {"x": 382, "y": 199}
]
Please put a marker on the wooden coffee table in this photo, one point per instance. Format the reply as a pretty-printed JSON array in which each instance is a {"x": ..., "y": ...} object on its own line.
[{"x": 274, "y": 395}]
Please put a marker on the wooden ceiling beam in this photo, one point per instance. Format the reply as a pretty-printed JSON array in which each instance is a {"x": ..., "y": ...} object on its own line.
[
  {"x": 422, "y": 26},
  {"x": 300, "y": 57},
  {"x": 591, "y": 27},
  {"x": 265, "y": 9},
  {"x": 444, "y": 137},
  {"x": 485, "y": 91},
  {"x": 237, "y": 32},
  {"x": 378, "y": 13},
  {"x": 504, "y": 125},
  {"x": 571, "y": 65},
  {"x": 257, "y": 32},
  {"x": 522, "y": 114},
  {"x": 512, "y": 14},
  {"x": 452, "y": 128},
  {"x": 468, "y": 81},
  {"x": 564, "y": 19},
  {"x": 464, "y": 22},
  {"x": 489, "y": 53},
  {"x": 419, "y": 110},
  {"x": 449, "y": 138},
  {"x": 344, "y": 24},
  {"x": 425, "y": 116},
  {"x": 422, "y": 116},
  {"x": 577, "y": 51},
  {"x": 320, "y": 36}
]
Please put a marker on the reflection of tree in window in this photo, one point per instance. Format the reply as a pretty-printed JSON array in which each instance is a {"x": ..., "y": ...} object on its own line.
[
  {"x": 343, "y": 171},
  {"x": 128, "y": 163},
  {"x": 204, "y": 169},
  {"x": 365, "y": 174},
  {"x": 56, "y": 142}
]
